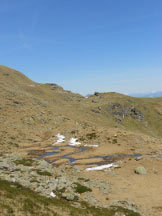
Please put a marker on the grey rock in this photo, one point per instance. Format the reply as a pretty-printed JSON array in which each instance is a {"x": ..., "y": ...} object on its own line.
[
  {"x": 91, "y": 200},
  {"x": 42, "y": 164},
  {"x": 155, "y": 171},
  {"x": 62, "y": 183},
  {"x": 76, "y": 205},
  {"x": 65, "y": 184},
  {"x": 138, "y": 158},
  {"x": 77, "y": 170},
  {"x": 125, "y": 111},
  {"x": 140, "y": 170},
  {"x": 95, "y": 111},
  {"x": 69, "y": 195},
  {"x": 15, "y": 156}
]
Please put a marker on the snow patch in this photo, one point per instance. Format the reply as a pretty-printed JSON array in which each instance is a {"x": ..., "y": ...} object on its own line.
[
  {"x": 61, "y": 138},
  {"x": 52, "y": 195},
  {"x": 90, "y": 145},
  {"x": 102, "y": 167},
  {"x": 73, "y": 142}
]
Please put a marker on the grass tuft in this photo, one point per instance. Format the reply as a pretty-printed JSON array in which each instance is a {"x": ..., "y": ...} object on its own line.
[
  {"x": 25, "y": 162},
  {"x": 81, "y": 188}
]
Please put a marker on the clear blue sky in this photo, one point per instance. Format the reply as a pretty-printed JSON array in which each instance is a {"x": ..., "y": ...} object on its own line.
[{"x": 85, "y": 45}]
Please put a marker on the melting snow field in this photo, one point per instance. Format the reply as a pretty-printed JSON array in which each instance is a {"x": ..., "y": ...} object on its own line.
[
  {"x": 102, "y": 167},
  {"x": 61, "y": 138},
  {"x": 73, "y": 142}
]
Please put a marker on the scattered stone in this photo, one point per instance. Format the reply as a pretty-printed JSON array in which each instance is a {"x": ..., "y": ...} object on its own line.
[
  {"x": 70, "y": 196},
  {"x": 50, "y": 181},
  {"x": 138, "y": 158},
  {"x": 91, "y": 200},
  {"x": 77, "y": 205},
  {"x": 155, "y": 171},
  {"x": 95, "y": 111},
  {"x": 77, "y": 170},
  {"x": 140, "y": 170}
]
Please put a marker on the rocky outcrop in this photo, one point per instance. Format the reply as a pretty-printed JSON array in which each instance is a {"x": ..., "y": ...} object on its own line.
[
  {"x": 123, "y": 111},
  {"x": 47, "y": 180}
]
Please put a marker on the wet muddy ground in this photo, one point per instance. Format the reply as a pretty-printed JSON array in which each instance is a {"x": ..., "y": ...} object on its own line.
[{"x": 56, "y": 154}]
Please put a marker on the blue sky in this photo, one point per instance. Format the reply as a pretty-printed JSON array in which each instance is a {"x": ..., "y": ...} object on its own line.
[{"x": 85, "y": 45}]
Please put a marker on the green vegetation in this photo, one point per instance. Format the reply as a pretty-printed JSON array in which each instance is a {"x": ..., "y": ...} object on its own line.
[
  {"x": 43, "y": 173},
  {"x": 15, "y": 199},
  {"x": 83, "y": 179},
  {"x": 30, "y": 206},
  {"x": 8, "y": 209},
  {"x": 123, "y": 210},
  {"x": 114, "y": 141},
  {"x": 96, "y": 93},
  {"x": 81, "y": 188},
  {"x": 91, "y": 136},
  {"x": 59, "y": 192},
  {"x": 74, "y": 131},
  {"x": 25, "y": 162},
  {"x": 81, "y": 139},
  {"x": 34, "y": 180}
]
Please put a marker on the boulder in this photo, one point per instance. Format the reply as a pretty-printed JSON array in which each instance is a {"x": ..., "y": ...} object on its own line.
[
  {"x": 91, "y": 200},
  {"x": 70, "y": 196},
  {"x": 140, "y": 170}
]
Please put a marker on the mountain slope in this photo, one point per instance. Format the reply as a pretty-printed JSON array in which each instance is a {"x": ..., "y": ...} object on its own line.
[
  {"x": 31, "y": 113},
  {"x": 111, "y": 128}
]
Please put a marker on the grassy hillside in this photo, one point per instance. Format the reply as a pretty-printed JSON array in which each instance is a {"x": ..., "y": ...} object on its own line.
[
  {"x": 135, "y": 114},
  {"x": 17, "y": 200},
  {"x": 123, "y": 129},
  {"x": 31, "y": 112}
]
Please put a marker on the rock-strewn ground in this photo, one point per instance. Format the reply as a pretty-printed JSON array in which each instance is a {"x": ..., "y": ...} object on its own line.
[
  {"x": 121, "y": 186},
  {"x": 42, "y": 177},
  {"x": 65, "y": 182}
]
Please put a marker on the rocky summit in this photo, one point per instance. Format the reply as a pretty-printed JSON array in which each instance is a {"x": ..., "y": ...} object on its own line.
[{"x": 65, "y": 154}]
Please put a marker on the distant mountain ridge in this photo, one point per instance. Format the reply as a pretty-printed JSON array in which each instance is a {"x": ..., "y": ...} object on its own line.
[{"x": 156, "y": 94}]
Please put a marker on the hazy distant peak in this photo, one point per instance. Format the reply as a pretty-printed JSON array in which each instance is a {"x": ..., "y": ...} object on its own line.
[{"x": 153, "y": 94}]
